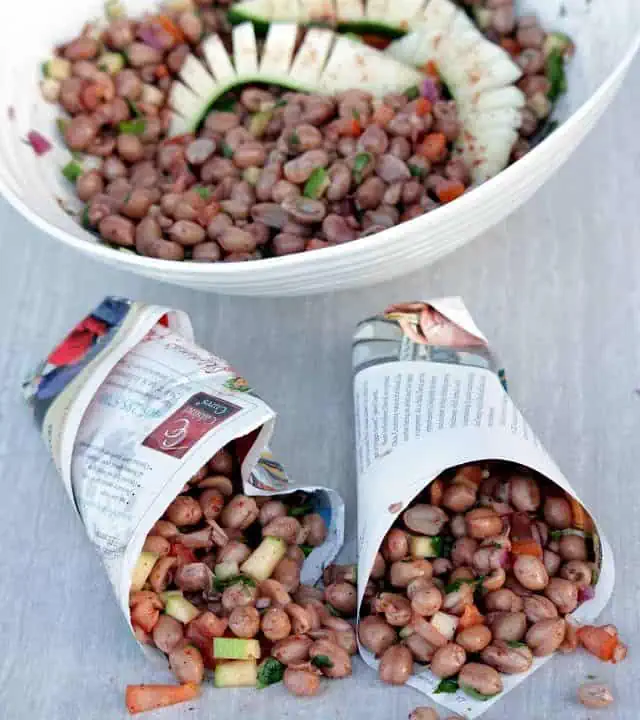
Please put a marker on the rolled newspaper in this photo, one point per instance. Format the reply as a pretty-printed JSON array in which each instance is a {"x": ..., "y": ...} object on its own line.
[
  {"x": 429, "y": 397},
  {"x": 130, "y": 409}
]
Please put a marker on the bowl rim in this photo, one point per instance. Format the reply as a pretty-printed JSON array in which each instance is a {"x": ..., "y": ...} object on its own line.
[{"x": 222, "y": 270}]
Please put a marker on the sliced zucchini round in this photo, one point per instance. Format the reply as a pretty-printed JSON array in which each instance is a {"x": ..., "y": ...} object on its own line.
[
  {"x": 481, "y": 78},
  {"x": 325, "y": 63}
]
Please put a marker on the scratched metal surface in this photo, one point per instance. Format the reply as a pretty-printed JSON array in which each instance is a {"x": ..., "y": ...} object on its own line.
[{"x": 557, "y": 290}]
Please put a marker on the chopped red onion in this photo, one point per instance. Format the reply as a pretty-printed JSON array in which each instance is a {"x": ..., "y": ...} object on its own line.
[
  {"x": 149, "y": 37},
  {"x": 429, "y": 89},
  {"x": 586, "y": 593},
  {"x": 39, "y": 143},
  {"x": 502, "y": 559}
]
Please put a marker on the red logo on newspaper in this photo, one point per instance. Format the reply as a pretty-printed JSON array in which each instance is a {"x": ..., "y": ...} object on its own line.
[{"x": 189, "y": 424}]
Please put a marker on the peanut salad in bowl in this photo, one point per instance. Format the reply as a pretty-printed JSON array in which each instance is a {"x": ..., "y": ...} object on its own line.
[{"x": 212, "y": 131}]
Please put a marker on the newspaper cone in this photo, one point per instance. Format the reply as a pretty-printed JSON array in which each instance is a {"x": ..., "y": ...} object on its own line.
[
  {"x": 428, "y": 397},
  {"x": 130, "y": 409}
]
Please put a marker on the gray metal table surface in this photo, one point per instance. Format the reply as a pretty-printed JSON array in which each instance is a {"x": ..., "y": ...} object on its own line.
[{"x": 556, "y": 288}]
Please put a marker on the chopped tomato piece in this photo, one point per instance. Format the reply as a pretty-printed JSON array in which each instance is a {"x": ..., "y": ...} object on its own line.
[
  {"x": 184, "y": 554},
  {"x": 168, "y": 25},
  {"x": 598, "y": 642},
  {"x": 450, "y": 190},
  {"x": 470, "y": 617},
  {"x": 433, "y": 147},
  {"x": 527, "y": 547},
  {"x": 423, "y": 106},
  {"x": 511, "y": 46}
]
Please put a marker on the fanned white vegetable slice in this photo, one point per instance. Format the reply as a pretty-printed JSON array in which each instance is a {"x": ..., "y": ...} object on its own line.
[
  {"x": 285, "y": 10},
  {"x": 462, "y": 37},
  {"x": 484, "y": 67},
  {"x": 497, "y": 99},
  {"x": 407, "y": 49},
  {"x": 178, "y": 125},
  {"x": 349, "y": 10},
  {"x": 218, "y": 59},
  {"x": 503, "y": 117},
  {"x": 438, "y": 16},
  {"x": 245, "y": 50},
  {"x": 353, "y": 64},
  {"x": 487, "y": 152},
  {"x": 377, "y": 9},
  {"x": 312, "y": 57},
  {"x": 278, "y": 50},
  {"x": 184, "y": 101},
  {"x": 402, "y": 14},
  {"x": 196, "y": 77}
]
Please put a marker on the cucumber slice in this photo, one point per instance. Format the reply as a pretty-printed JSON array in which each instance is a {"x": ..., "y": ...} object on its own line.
[
  {"x": 376, "y": 9},
  {"x": 164, "y": 596},
  {"x": 181, "y": 609},
  {"x": 278, "y": 50},
  {"x": 218, "y": 59},
  {"x": 404, "y": 15},
  {"x": 226, "y": 570},
  {"x": 237, "y": 673},
  {"x": 356, "y": 65},
  {"x": 349, "y": 11},
  {"x": 445, "y": 624},
  {"x": 264, "y": 559},
  {"x": 235, "y": 649},
  {"x": 422, "y": 547},
  {"x": 319, "y": 66},
  {"x": 197, "y": 77},
  {"x": 142, "y": 570},
  {"x": 498, "y": 99},
  {"x": 245, "y": 50},
  {"x": 312, "y": 57}
]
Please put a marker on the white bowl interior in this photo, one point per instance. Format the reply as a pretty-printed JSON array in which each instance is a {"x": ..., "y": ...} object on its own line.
[{"x": 605, "y": 33}]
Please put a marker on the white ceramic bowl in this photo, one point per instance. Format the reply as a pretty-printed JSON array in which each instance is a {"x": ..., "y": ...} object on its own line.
[{"x": 607, "y": 35}]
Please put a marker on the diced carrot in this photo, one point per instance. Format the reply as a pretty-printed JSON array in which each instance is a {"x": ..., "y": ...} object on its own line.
[
  {"x": 168, "y": 25},
  {"x": 206, "y": 215},
  {"x": 436, "y": 492},
  {"x": 527, "y": 547},
  {"x": 184, "y": 554},
  {"x": 511, "y": 46},
  {"x": 471, "y": 616},
  {"x": 433, "y": 147},
  {"x": 162, "y": 71},
  {"x": 145, "y": 615},
  {"x": 598, "y": 642},
  {"x": 430, "y": 68},
  {"x": 423, "y": 106},
  {"x": 450, "y": 190},
  {"x": 140, "y": 698},
  {"x": 379, "y": 42},
  {"x": 581, "y": 520},
  {"x": 355, "y": 128},
  {"x": 383, "y": 115}
]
